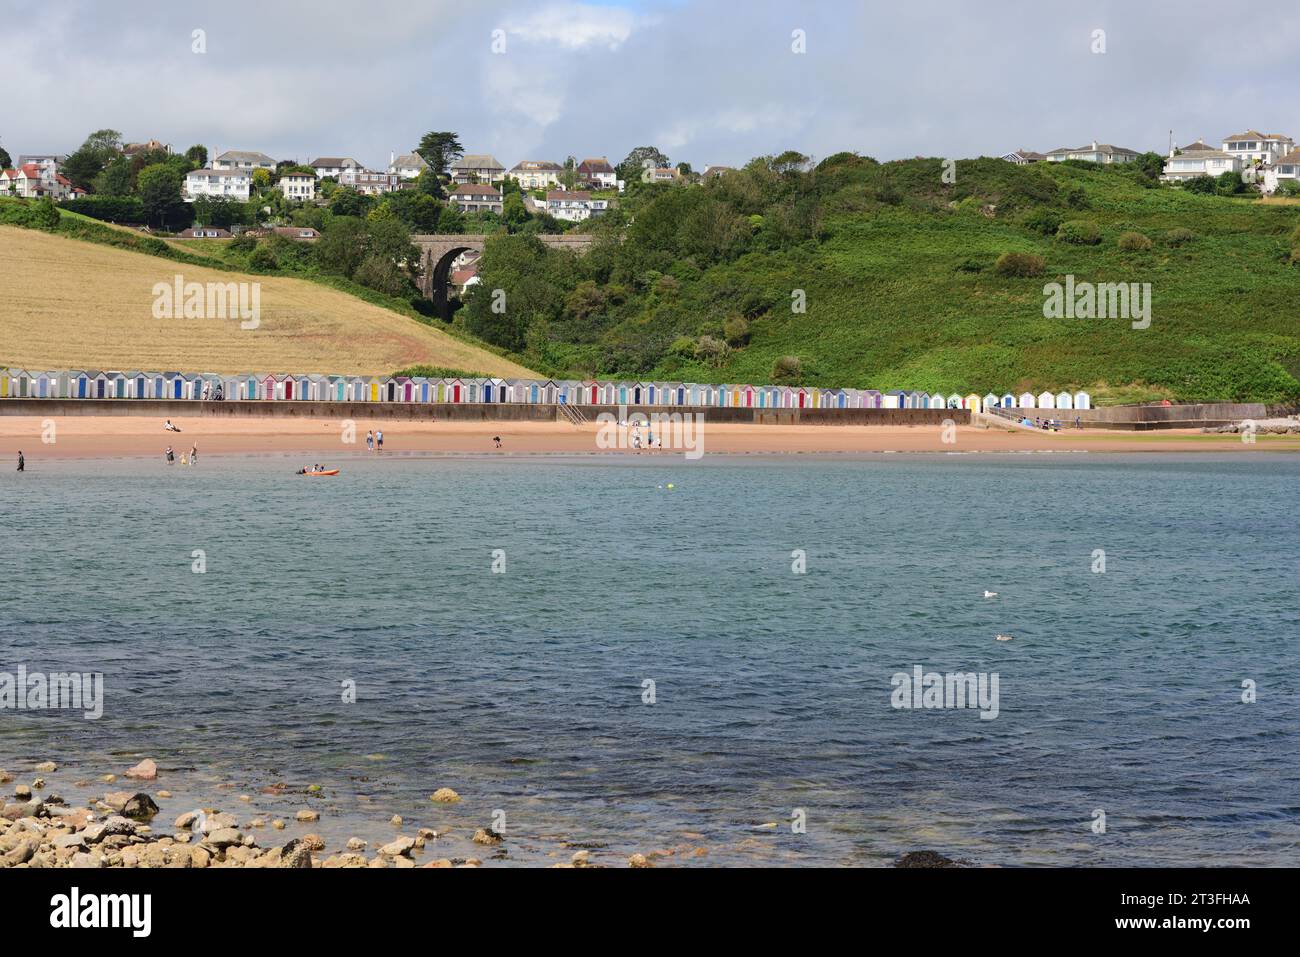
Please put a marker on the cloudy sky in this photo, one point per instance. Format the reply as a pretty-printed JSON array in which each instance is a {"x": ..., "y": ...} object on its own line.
[{"x": 707, "y": 81}]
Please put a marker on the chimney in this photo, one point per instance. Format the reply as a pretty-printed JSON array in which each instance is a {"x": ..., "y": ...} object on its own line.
[
  {"x": 392, "y": 158},
  {"x": 1094, "y": 146}
]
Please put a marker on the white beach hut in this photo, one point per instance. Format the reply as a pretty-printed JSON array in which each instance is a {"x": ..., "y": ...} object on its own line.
[{"x": 1046, "y": 400}]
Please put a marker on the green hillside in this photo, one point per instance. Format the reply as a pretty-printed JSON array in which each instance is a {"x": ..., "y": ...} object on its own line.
[{"x": 898, "y": 270}]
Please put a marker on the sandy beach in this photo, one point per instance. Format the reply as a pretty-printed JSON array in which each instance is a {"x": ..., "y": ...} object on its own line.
[{"x": 126, "y": 436}]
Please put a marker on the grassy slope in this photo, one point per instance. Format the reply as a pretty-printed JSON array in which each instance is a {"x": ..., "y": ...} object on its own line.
[
  {"x": 887, "y": 307},
  {"x": 66, "y": 303}
]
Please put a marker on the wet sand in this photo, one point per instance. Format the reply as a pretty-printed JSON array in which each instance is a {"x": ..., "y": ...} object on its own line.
[{"x": 320, "y": 439}]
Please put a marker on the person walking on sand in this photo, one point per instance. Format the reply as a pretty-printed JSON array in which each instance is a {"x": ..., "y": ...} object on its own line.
[
  {"x": 22, "y": 463},
  {"x": 370, "y": 441},
  {"x": 497, "y": 440},
  {"x": 379, "y": 439},
  {"x": 194, "y": 454}
]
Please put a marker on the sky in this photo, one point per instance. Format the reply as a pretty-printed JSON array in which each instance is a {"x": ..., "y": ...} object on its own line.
[{"x": 709, "y": 82}]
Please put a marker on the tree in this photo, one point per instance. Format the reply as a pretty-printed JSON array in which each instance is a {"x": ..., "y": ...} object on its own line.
[
  {"x": 429, "y": 184},
  {"x": 100, "y": 148},
  {"x": 569, "y": 178},
  {"x": 348, "y": 202},
  {"x": 6, "y": 161},
  {"x": 440, "y": 150},
  {"x": 261, "y": 178},
  {"x": 522, "y": 290},
  {"x": 342, "y": 247},
  {"x": 636, "y": 162},
  {"x": 159, "y": 187},
  {"x": 389, "y": 240},
  {"x": 218, "y": 211},
  {"x": 116, "y": 179},
  {"x": 514, "y": 212},
  {"x": 198, "y": 155},
  {"x": 417, "y": 209}
]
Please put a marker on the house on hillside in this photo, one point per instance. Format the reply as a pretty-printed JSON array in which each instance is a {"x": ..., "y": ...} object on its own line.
[
  {"x": 334, "y": 165},
  {"x": 537, "y": 174},
  {"x": 298, "y": 186},
  {"x": 665, "y": 174},
  {"x": 368, "y": 182},
  {"x": 597, "y": 174},
  {"x": 203, "y": 232},
  {"x": 407, "y": 166},
  {"x": 150, "y": 146},
  {"x": 477, "y": 168},
  {"x": 1259, "y": 148},
  {"x": 233, "y": 184},
  {"x": 46, "y": 161},
  {"x": 574, "y": 206},
  {"x": 1023, "y": 157},
  {"x": 1285, "y": 169},
  {"x": 1096, "y": 152},
  {"x": 475, "y": 198},
  {"x": 243, "y": 159},
  {"x": 1198, "y": 159},
  {"x": 713, "y": 172},
  {"x": 32, "y": 181}
]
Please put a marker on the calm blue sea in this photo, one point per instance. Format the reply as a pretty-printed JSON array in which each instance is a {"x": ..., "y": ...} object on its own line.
[{"x": 523, "y": 690}]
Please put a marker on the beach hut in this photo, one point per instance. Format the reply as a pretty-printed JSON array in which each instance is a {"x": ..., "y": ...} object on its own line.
[
  {"x": 44, "y": 382},
  {"x": 4, "y": 383},
  {"x": 266, "y": 387},
  {"x": 1026, "y": 401},
  {"x": 117, "y": 385},
  {"x": 972, "y": 402},
  {"x": 1064, "y": 400},
  {"x": 302, "y": 387},
  {"x": 892, "y": 400},
  {"x": 549, "y": 391},
  {"x": 1008, "y": 401},
  {"x": 954, "y": 401},
  {"x": 21, "y": 387},
  {"x": 872, "y": 399},
  {"x": 991, "y": 401},
  {"x": 1082, "y": 400},
  {"x": 335, "y": 388},
  {"x": 1046, "y": 400},
  {"x": 455, "y": 391},
  {"x": 937, "y": 400}
]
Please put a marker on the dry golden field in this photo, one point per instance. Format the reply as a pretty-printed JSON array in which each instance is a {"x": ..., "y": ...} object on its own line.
[{"x": 71, "y": 304}]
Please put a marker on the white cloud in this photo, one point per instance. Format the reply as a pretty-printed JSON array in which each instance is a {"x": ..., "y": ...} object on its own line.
[{"x": 576, "y": 26}]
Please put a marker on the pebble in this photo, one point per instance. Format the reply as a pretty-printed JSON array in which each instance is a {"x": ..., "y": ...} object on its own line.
[
  {"x": 146, "y": 770},
  {"x": 395, "y": 820},
  {"x": 487, "y": 836},
  {"x": 638, "y": 860},
  {"x": 307, "y": 816},
  {"x": 444, "y": 796},
  {"x": 47, "y": 767}
]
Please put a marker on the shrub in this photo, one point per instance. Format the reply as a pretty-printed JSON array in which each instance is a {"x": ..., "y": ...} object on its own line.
[
  {"x": 263, "y": 258},
  {"x": 1294, "y": 259},
  {"x": 711, "y": 350},
  {"x": 1295, "y": 236},
  {"x": 1178, "y": 236},
  {"x": 1043, "y": 221},
  {"x": 787, "y": 369},
  {"x": 969, "y": 265},
  {"x": 736, "y": 330},
  {"x": 1133, "y": 242},
  {"x": 1019, "y": 265},
  {"x": 1079, "y": 232}
]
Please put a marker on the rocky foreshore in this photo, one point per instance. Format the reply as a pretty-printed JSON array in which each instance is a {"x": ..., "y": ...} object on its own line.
[
  {"x": 1280, "y": 426},
  {"x": 122, "y": 829}
]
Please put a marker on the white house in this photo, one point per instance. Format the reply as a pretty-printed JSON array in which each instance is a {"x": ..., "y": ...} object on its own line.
[
  {"x": 32, "y": 181},
  {"x": 46, "y": 161},
  {"x": 298, "y": 186},
  {"x": 1254, "y": 147},
  {"x": 1287, "y": 168},
  {"x": 334, "y": 165},
  {"x": 1023, "y": 157},
  {"x": 233, "y": 184},
  {"x": 368, "y": 182},
  {"x": 537, "y": 174},
  {"x": 597, "y": 173},
  {"x": 243, "y": 159},
  {"x": 474, "y": 198},
  {"x": 574, "y": 206},
  {"x": 477, "y": 168},
  {"x": 407, "y": 166},
  {"x": 1093, "y": 153},
  {"x": 1198, "y": 159}
]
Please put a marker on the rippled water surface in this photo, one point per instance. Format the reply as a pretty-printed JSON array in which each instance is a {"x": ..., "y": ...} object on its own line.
[{"x": 523, "y": 690}]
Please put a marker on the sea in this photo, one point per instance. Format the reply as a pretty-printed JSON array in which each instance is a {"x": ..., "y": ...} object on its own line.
[{"x": 715, "y": 662}]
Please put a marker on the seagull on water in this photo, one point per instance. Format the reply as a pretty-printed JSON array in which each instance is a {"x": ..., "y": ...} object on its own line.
[
  {"x": 990, "y": 594},
  {"x": 1003, "y": 637}
]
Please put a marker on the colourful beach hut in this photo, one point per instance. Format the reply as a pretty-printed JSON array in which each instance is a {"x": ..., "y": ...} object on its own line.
[
  {"x": 991, "y": 401},
  {"x": 1046, "y": 400},
  {"x": 1008, "y": 401},
  {"x": 972, "y": 402},
  {"x": 1082, "y": 400}
]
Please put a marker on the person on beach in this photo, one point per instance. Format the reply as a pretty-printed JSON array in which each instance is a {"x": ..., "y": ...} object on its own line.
[
  {"x": 370, "y": 441},
  {"x": 194, "y": 454},
  {"x": 1078, "y": 422},
  {"x": 379, "y": 440},
  {"x": 171, "y": 456},
  {"x": 22, "y": 463},
  {"x": 497, "y": 440},
  {"x": 169, "y": 427}
]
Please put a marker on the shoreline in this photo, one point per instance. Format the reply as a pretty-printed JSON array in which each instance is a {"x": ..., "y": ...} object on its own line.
[{"x": 115, "y": 437}]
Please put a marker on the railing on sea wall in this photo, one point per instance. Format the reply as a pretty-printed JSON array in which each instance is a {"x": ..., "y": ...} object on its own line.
[{"x": 97, "y": 384}]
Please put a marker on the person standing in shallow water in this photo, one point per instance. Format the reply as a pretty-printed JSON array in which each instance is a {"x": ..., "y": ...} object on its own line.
[
  {"x": 370, "y": 441},
  {"x": 22, "y": 463}
]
